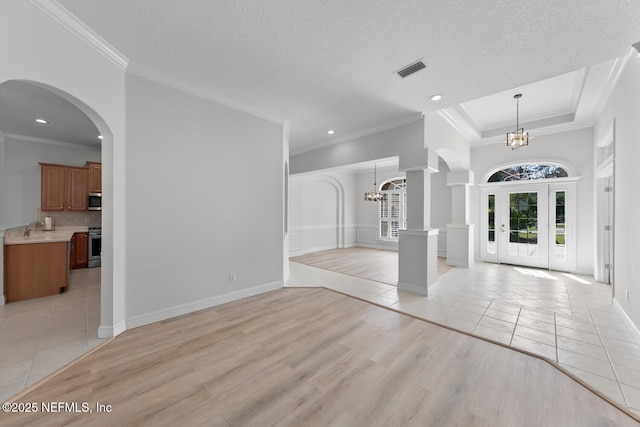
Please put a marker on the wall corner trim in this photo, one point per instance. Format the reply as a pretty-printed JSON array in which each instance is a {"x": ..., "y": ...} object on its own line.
[{"x": 112, "y": 331}]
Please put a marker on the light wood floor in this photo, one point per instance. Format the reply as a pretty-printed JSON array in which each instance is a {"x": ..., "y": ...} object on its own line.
[
  {"x": 372, "y": 264},
  {"x": 313, "y": 357}
]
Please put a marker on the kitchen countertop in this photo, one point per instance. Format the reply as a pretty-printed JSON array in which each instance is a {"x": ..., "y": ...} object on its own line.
[{"x": 61, "y": 234}]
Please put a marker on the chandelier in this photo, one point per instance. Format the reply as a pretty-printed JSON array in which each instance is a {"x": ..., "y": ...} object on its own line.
[
  {"x": 518, "y": 138},
  {"x": 373, "y": 196}
]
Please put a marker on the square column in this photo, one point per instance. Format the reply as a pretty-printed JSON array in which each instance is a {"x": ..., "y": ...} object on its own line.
[
  {"x": 460, "y": 232},
  {"x": 417, "y": 260},
  {"x": 418, "y": 244}
]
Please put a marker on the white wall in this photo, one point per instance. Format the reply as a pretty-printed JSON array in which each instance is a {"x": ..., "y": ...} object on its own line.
[
  {"x": 574, "y": 148},
  {"x": 204, "y": 200},
  {"x": 21, "y": 174},
  {"x": 322, "y": 212},
  {"x": 624, "y": 108},
  {"x": 450, "y": 145}
]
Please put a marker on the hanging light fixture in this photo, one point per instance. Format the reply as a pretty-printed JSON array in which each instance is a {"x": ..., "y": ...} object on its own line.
[
  {"x": 518, "y": 138},
  {"x": 373, "y": 196}
]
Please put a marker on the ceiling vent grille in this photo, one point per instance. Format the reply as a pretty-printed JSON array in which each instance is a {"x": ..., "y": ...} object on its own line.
[{"x": 410, "y": 69}]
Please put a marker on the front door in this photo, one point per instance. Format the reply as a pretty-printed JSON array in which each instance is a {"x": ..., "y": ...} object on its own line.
[
  {"x": 527, "y": 224},
  {"x": 524, "y": 231}
]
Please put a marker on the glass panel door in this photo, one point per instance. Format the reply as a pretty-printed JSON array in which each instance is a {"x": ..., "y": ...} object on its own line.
[{"x": 524, "y": 226}]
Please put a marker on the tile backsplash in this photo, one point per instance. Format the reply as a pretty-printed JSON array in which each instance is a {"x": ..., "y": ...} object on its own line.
[{"x": 70, "y": 219}]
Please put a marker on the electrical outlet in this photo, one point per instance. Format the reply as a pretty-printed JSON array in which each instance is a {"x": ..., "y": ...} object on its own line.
[
  {"x": 232, "y": 277},
  {"x": 626, "y": 294},
  {"x": 87, "y": 220}
]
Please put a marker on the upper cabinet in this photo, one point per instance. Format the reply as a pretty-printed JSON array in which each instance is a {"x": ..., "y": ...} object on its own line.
[
  {"x": 95, "y": 177},
  {"x": 64, "y": 188},
  {"x": 77, "y": 194},
  {"x": 54, "y": 187}
]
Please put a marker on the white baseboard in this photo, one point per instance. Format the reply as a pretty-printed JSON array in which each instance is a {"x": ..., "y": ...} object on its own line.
[
  {"x": 2, "y": 300},
  {"x": 618, "y": 307},
  {"x": 442, "y": 253},
  {"x": 112, "y": 331},
  {"x": 414, "y": 289},
  {"x": 179, "y": 310}
]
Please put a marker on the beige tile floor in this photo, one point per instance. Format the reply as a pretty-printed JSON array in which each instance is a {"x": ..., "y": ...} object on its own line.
[
  {"x": 566, "y": 318},
  {"x": 41, "y": 335}
]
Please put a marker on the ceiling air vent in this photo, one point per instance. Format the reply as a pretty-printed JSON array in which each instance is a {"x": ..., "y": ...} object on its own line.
[{"x": 410, "y": 69}]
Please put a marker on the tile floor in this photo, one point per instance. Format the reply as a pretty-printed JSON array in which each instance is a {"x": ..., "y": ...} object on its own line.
[
  {"x": 566, "y": 318},
  {"x": 41, "y": 335}
]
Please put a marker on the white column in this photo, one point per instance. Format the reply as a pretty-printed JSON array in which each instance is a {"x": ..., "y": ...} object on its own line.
[
  {"x": 460, "y": 231},
  {"x": 418, "y": 244}
]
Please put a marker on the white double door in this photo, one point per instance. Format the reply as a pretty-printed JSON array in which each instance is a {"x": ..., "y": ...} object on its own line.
[{"x": 530, "y": 225}]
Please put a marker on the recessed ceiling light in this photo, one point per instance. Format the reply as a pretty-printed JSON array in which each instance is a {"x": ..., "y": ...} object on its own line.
[
  {"x": 99, "y": 136},
  {"x": 437, "y": 97},
  {"x": 331, "y": 132},
  {"x": 42, "y": 121}
]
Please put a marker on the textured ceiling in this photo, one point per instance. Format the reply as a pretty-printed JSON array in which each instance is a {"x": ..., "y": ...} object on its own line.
[{"x": 330, "y": 64}]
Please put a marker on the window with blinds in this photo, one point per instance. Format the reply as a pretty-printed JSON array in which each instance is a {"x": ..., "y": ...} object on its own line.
[{"x": 393, "y": 209}]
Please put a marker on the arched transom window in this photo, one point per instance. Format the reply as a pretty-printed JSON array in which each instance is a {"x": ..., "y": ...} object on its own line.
[{"x": 529, "y": 172}]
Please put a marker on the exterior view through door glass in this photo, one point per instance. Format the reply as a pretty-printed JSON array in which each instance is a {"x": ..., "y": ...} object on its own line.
[{"x": 523, "y": 226}]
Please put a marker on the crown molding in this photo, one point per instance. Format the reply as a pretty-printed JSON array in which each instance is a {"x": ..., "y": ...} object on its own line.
[
  {"x": 80, "y": 30},
  {"x": 52, "y": 142}
]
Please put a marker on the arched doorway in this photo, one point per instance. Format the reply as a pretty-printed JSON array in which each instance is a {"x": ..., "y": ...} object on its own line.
[
  {"x": 529, "y": 216},
  {"x": 66, "y": 104}
]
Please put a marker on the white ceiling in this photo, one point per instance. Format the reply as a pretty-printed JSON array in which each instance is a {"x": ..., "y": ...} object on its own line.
[
  {"x": 330, "y": 65},
  {"x": 21, "y": 103}
]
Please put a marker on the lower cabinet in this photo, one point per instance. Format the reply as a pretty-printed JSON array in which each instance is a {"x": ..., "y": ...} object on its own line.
[
  {"x": 79, "y": 251},
  {"x": 35, "y": 270}
]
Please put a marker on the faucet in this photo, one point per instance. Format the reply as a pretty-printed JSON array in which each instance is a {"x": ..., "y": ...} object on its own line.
[{"x": 27, "y": 231}]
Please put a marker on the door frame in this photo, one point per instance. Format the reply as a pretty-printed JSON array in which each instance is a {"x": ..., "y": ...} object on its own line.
[{"x": 569, "y": 185}]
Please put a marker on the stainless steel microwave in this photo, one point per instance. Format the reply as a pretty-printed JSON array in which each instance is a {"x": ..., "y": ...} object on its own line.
[{"x": 95, "y": 201}]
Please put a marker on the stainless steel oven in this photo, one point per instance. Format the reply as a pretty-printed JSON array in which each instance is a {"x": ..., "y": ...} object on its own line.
[{"x": 95, "y": 246}]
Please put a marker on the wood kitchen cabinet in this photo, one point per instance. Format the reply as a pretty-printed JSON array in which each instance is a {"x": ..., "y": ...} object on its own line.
[
  {"x": 77, "y": 184},
  {"x": 64, "y": 188},
  {"x": 95, "y": 177},
  {"x": 35, "y": 270},
  {"x": 79, "y": 251},
  {"x": 54, "y": 187}
]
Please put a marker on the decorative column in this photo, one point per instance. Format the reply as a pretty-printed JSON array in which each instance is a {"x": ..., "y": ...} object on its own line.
[
  {"x": 418, "y": 244},
  {"x": 460, "y": 232}
]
